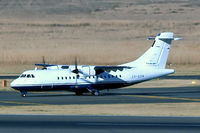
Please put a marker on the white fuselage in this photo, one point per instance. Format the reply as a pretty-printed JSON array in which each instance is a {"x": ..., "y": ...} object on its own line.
[{"x": 64, "y": 79}]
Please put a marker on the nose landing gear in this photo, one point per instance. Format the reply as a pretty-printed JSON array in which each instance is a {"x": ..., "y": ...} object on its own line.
[
  {"x": 23, "y": 93},
  {"x": 96, "y": 93}
]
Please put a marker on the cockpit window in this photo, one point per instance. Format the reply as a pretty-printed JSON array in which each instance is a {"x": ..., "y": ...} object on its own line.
[
  {"x": 23, "y": 75},
  {"x": 28, "y": 76}
]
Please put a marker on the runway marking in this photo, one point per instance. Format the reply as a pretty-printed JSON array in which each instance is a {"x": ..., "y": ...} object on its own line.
[
  {"x": 170, "y": 98},
  {"x": 13, "y": 102}
]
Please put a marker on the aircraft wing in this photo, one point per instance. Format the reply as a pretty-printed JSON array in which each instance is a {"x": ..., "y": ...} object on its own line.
[
  {"x": 110, "y": 67},
  {"x": 51, "y": 65},
  {"x": 47, "y": 65},
  {"x": 101, "y": 69}
]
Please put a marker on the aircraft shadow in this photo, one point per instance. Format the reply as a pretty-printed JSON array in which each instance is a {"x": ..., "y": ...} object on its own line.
[
  {"x": 158, "y": 91},
  {"x": 188, "y": 77},
  {"x": 170, "y": 91}
]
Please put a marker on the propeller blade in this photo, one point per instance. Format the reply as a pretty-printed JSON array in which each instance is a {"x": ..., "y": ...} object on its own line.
[
  {"x": 76, "y": 66},
  {"x": 76, "y": 63},
  {"x": 44, "y": 63}
]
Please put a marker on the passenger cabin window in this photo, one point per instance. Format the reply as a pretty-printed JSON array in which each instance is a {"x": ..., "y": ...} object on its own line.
[
  {"x": 58, "y": 78},
  {"x": 28, "y": 76},
  {"x": 65, "y": 77},
  {"x": 62, "y": 78}
]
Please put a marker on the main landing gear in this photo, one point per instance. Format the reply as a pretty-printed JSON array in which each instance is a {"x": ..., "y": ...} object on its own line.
[
  {"x": 94, "y": 92},
  {"x": 79, "y": 93},
  {"x": 23, "y": 93}
]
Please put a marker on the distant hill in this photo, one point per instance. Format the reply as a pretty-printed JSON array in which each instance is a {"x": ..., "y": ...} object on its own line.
[{"x": 31, "y": 8}]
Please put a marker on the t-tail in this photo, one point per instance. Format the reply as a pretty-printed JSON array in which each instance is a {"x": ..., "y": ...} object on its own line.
[{"x": 156, "y": 56}]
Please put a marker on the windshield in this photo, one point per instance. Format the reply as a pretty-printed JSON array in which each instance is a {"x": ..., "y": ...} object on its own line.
[{"x": 27, "y": 76}]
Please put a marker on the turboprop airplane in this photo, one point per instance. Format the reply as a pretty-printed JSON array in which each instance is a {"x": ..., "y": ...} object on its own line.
[{"x": 93, "y": 79}]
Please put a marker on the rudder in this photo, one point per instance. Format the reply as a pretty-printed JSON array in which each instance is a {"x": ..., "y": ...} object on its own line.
[{"x": 157, "y": 55}]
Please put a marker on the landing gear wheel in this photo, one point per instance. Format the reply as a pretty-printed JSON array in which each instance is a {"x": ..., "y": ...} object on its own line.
[
  {"x": 78, "y": 93},
  {"x": 96, "y": 93},
  {"x": 23, "y": 93}
]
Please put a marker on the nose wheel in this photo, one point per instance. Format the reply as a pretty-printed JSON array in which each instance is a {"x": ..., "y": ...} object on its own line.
[{"x": 23, "y": 93}]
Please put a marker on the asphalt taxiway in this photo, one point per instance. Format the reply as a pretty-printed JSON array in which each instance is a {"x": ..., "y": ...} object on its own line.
[
  {"x": 115, "y": 96},
  {"x": 97, "y": 124}
]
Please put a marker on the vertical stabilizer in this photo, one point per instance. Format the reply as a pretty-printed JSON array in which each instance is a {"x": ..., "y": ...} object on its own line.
[{"x": 157, "y": 55}]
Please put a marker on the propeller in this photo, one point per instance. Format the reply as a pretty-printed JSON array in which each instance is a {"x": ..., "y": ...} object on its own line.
[
  {"x": 76, "y": 71},
  {"x": 44, "y": 63},
  {"x": 76, "y": 68}
]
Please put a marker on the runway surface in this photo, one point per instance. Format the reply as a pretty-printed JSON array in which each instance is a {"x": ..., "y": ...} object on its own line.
[
  {"x": 116, "y": 96},
  {"x": 97, "y": 124}
]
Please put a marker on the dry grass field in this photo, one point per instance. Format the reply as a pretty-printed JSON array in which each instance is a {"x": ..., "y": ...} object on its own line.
[
  {"x": 155, "y": 109},
  {"x": 96, "y": 32}
]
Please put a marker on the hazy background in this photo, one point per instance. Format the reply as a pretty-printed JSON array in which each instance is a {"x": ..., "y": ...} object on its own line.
[{"x": 95, "y": 31}]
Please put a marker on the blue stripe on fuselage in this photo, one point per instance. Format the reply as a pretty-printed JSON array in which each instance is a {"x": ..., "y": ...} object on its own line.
[{"x": 73, "y": 88}]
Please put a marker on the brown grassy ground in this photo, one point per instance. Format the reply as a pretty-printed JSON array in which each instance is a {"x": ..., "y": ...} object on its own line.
[
  {"x": 164, "y": 109},
  {"x": 103, "y": 32}
]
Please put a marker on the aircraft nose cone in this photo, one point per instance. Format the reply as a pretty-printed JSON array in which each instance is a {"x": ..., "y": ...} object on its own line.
[{"x": 13, "y": 83}]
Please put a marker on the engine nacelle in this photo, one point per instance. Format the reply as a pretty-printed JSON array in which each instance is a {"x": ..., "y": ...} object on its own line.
[{"x": 88, "y": 70}]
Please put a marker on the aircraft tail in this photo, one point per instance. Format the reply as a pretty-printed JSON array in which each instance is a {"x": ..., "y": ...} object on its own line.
[{"x": 157, "y": 55}]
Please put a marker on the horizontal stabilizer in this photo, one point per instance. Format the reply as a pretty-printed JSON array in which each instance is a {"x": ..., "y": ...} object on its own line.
[
  {"x": 164, "y": 38},
  {"x": 151, "y": 38},
  {"x": 178, "y": 38}
]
